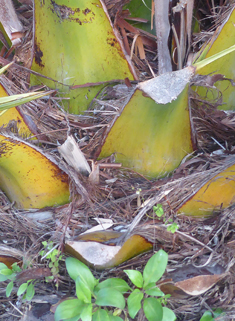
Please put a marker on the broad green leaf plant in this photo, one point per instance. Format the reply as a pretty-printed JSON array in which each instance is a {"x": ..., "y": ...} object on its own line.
[{"x": 106, "y": 301}]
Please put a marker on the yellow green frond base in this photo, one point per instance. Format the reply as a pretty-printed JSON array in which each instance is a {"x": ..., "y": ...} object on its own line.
[
  {"x": 30, "y": 179},
  {"x": 220, "y": 59},
  {"x": 75, "y": 44},
  {"x": 149, "y": 137},
  {"x": 216, "y": 194}
]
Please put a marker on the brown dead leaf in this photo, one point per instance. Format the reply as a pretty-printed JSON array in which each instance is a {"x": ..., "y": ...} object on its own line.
[
  {"x": 94, "y": 176},
  {"x": 199, "y": 284},
  {"x": 35, "y": 274},
  {"x": 140, "y": 46},
  {"x": 174, "y": 291},
  {"x": 209, "y": 80},
  {"x": 189, "y": 280}
]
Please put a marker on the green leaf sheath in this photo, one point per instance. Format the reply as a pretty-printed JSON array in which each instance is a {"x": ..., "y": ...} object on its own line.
[{"x": 16, "y": 100}]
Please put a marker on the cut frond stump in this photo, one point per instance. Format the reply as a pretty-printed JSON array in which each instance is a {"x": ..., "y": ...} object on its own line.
[{"x": 153, "y": 133}]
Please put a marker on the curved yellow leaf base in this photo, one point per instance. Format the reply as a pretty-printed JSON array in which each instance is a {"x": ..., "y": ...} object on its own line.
[
  {"x": 29, "y": 178},
  {"x": 89, "y": 248},
  {"x": 216, "y": 194}
]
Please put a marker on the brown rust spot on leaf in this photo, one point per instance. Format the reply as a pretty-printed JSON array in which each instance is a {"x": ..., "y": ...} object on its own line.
[
  {"x": 111, "y": 41},
  {"x": 86, "y": 11},
  {"x": 62, "y": 11},
  {"x": 72, "y": 14},
  {"x": 59, "y": 174},
  {"x": 38, "y": 54}
]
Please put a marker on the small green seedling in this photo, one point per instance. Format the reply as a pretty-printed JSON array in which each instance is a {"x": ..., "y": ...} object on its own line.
[
  {"x": 172, "y": 227},
  {"x": 53, "y": 255},
  {"x": 25, "y": 289},
  {"x": 159, "y": 211},
  {"x": 106, "y": 301}
]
